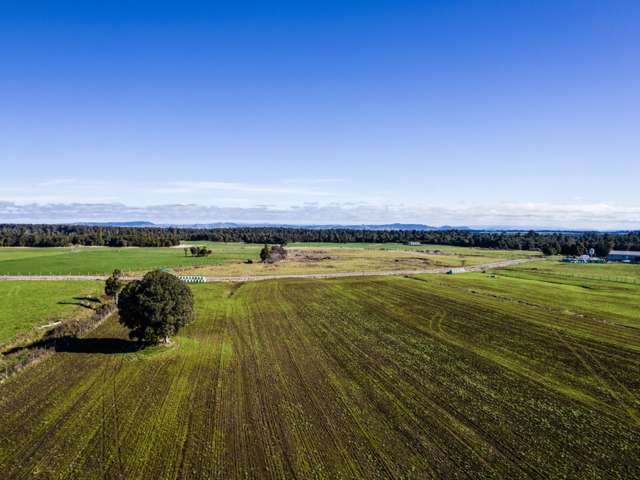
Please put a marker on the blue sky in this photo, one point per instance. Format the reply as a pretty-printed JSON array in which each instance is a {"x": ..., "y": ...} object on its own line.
[{"x": 441, "y": 112}]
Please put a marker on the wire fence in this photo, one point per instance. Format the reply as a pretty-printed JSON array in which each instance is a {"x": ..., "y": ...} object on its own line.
[{"x": 586, "y": 276}]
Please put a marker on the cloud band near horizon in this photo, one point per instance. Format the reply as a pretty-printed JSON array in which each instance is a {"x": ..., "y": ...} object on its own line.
[{"x": 515, "y": 215}]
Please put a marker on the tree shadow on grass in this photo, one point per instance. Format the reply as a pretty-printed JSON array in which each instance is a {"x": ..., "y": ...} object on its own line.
[
  {"x": 72, "y": 344},
  {"x": 97, "y": 345},
  {"x": 89, "y": 302}
]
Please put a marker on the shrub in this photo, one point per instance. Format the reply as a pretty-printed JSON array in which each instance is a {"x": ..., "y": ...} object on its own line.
[
  {"x": 113, "y": 284},
  {"x": 198, "y": 251},
  {"x": 273, "y": 254}
]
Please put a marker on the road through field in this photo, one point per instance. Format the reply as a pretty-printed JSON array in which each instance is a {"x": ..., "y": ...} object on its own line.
[{"x": 254, "y": 278}]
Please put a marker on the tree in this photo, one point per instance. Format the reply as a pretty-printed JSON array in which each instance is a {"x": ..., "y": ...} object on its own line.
[
  {"x": 155, "y": 307},
  {"x": 113, "y": 284},
  {"x": 603, "y": 248},
  {"x": 264, "y": 253}
]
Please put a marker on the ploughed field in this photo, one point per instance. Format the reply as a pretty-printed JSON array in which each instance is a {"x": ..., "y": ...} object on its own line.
[{"x": 471, "y": 376}]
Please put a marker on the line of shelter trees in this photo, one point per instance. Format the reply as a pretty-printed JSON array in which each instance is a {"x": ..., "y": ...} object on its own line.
[{"x": 566, "y": 243}]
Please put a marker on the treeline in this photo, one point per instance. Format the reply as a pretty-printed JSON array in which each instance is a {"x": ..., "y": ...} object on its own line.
[
  {"x": 549, "y": 243},
  {"x": 66, "y": 235}
]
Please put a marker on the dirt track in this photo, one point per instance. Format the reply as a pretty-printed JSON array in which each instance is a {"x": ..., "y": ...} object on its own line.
[{"x": 255, "y": 278}]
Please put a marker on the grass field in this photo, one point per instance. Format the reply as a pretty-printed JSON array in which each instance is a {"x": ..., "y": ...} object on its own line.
[
  {"x": 612, "y": 272},
  {"x": 469, "y": 376},
  {"x": 25, "y": 305},
  {"x": 229, "y": 259},
  {"x": 319, "y": 260},
  {"x": 103, "y": 260},
  {"x": 609, "y": 293},
  {"x": 466, "y": 251}
]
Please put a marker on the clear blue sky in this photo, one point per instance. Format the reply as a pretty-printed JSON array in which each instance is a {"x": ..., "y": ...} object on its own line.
[{"x": 460, "y": 112}]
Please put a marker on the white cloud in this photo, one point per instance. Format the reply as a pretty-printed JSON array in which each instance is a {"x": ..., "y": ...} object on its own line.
[
  {"x": 56, "y": 181},
  {"x": 202, "y": 187},
  {"x": 525, "y": 215},
  {"x": 149, "y": 193}
]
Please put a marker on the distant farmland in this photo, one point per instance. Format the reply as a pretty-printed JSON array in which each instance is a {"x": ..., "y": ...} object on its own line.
[
  {"x": 231, "y": 259},
  {"x": 103, "y": 260},
  {"x": 472, "y": 376},
  {"x": 466, "y": 251}
]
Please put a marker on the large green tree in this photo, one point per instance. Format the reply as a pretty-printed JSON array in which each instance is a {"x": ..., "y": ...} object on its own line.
[{"x": 155, "y": 307}]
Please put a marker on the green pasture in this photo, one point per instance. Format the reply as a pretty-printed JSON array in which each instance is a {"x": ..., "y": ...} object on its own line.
[
  {"x": 612, "y": 272},
  {"x": 28, "y": 304},
  {"x": 103, "y": 260},
  {"x": 467, "y": 251},
  {"x": 611, "y": 302},
  {"x": 225, "y": 257}
]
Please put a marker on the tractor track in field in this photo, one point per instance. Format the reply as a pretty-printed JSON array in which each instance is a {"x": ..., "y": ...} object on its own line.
[
  {"x": 438, "y": 405},
  {"x": 256, "y": 278},
  {"x": 625, "y": 398}
]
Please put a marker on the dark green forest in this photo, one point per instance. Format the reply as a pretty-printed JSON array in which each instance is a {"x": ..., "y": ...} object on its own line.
[{"x": 567, "y": 243}]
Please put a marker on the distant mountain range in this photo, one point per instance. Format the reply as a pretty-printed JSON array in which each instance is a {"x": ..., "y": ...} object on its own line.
[
  {"x": 118, "y": 224},
  {"x": 388, "y": 226}
]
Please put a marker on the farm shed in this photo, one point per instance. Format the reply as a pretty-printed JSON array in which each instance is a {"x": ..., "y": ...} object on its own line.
[{"x": 627, "y": 256}]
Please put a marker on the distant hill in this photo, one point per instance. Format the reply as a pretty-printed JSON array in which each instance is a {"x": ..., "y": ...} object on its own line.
[
  {"x": 388, "y": 226},
  {"x": 117, "y": 224},
  {"x": 373, "y": 227}
]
